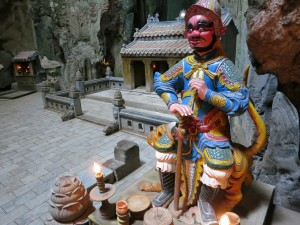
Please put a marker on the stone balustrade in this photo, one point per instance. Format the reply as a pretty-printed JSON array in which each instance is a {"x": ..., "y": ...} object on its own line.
[
  {"x": 96, "y": 85},
  {"x": 66, "y": 101},
  {"x": 140, "y": 123}
]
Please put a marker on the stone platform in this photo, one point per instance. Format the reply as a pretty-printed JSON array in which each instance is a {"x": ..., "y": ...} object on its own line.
[{"x": 252, "y": 209}]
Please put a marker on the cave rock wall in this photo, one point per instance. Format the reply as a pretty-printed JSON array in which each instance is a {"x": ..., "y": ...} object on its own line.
[{"x": 273, "y": 39}]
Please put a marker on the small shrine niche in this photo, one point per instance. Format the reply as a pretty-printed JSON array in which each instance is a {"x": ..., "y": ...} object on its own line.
[{"x": 26, "y": 67}]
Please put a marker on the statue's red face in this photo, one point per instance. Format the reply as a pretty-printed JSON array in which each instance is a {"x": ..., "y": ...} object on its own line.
[{"x": 200, "y": 32}]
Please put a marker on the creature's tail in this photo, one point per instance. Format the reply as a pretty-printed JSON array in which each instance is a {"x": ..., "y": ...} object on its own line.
[{"x": 261, "y": 138}]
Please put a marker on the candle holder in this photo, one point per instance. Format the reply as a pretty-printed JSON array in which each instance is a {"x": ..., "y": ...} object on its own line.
[{"x": 101, "y": 193}]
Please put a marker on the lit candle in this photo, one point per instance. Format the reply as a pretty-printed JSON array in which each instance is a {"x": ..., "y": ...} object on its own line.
[
  {"x": 99, "y": 178},
  {"x": 230, "y": 218}
]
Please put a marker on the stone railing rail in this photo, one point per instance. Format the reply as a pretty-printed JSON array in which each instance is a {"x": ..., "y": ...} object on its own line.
[
  {"x": 141, "y": 123},
  {"x": 96, "y": 85},
  {"x": 63, "y": 93},
  {"x": 66, "y": 101}
]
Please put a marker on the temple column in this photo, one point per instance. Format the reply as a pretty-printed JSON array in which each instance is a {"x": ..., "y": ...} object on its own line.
[
  {"x": 171, "y": 62},
  {"x": 128, "y": 74},
  {"x": 148, "y": 75}
]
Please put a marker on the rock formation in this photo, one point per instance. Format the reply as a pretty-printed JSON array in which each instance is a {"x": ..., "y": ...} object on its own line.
[
  {"x": 273, "y": 39},
  {"x": 6, "y": 70}
]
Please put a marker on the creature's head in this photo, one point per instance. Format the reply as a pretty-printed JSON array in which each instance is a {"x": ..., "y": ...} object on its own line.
[
  {"x": 162, "y": 139},
  {"x": 203, "y": 24}
]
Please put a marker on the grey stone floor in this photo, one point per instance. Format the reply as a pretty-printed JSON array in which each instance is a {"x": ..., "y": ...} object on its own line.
[{"x": 36, "y": 147}]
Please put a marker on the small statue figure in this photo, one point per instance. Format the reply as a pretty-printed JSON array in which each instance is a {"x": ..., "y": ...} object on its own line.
[
  {"x": 156, "y": 17},
  {"x": 108, "y": 72},
  {"x": 211, "y": 90}
]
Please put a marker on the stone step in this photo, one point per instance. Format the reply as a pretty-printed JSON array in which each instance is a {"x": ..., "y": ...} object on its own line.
[
  {"x": 13, "y": 94},
  {"x": 97, "y": 112},
  {"x": 97, "y": 107},
  {"x": 135, "y": 99}
]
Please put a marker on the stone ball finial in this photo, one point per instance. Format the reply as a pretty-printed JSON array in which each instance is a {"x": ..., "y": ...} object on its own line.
[
  {"x": 118, "y": 99},
  {"x": 69, "y": 199},
  {"x": 117, "y": 94}
]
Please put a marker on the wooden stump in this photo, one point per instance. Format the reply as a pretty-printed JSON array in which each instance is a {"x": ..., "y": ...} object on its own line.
[{"x": 138, "y": 204}]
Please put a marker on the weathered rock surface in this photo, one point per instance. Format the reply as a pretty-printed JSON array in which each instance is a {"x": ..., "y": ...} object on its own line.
[
  {"x": 6, "y": 70},
  {"x": 16, "y": 27},
  {"x": 280, "y": 164},
  {"x": 273, "y": 39}
]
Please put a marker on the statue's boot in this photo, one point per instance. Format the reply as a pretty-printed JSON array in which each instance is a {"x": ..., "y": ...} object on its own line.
[
  {"x": 207, "y": 212},
  {"x": 167, "y": 185}
]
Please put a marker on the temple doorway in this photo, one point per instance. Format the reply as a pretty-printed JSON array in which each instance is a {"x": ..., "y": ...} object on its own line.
[
  {"x": 138, "y": 69},
  {"x": 159, "y": 66}
]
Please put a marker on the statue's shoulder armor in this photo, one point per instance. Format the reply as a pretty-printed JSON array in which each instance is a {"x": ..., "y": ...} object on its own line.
[
  {"x": 228, "y": 69},
  {"x": 173, "y": 72},
  {"x": 228, "y": 75}
]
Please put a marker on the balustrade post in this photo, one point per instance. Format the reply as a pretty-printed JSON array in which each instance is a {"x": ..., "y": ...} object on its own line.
[
  {"x": 118, "y": 105},
  {"x": 75, "y": 101},
  {"x": 80, "y": 83},
  {"x": 45, "y": 90}
]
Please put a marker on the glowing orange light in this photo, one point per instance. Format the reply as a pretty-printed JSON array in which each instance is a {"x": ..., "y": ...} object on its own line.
[
  {"x": 97, "y": 168},
  {"x": 224, "y": 220},
  {"x": 230, "y": 218}
]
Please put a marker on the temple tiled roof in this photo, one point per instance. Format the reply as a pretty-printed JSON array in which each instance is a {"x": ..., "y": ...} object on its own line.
[
  {"x": 173, "y": 47},
  {"x": 25, "y": 56},
  {"x": 161, "y": 29}
]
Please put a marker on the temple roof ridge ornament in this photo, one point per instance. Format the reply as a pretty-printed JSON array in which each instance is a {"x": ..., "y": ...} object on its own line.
[{"x": 153, "y": 19}]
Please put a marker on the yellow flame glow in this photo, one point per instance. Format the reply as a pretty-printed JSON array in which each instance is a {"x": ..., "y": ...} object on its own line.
[
  {"x": 97, "y": 168},
  {"x": 224, "y": 220}
]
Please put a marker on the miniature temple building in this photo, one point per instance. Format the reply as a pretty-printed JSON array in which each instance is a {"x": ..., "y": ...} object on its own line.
[
  {"x": 161, "y": 44},
  {"x": 156, "y": 47},
  {"x": 26, "y": 67}
]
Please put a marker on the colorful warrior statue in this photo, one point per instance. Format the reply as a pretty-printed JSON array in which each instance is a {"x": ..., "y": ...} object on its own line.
[{"x": 211, "y": 90}]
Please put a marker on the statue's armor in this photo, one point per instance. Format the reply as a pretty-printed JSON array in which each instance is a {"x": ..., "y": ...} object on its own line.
[{"x": 225, "y": 96}]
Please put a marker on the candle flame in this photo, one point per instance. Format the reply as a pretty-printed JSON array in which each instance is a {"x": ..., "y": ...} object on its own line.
[
  {"x": 224, "y": 220},
  {"x": 97, "y": 168}
]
